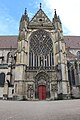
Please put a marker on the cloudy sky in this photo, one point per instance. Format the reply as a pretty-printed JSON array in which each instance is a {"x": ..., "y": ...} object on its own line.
[{"x": 12, "y": 10}]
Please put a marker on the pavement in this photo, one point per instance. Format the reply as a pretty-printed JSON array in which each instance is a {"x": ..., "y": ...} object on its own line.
[{"x": 40, "y": 110}]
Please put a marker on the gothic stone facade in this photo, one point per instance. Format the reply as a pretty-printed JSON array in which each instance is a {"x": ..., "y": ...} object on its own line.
[{"x": 42, "y": 66}]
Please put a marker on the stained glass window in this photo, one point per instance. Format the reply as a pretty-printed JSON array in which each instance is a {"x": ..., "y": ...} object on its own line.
[
  {"x": 40, "y": 42},
  {"x": 41, "y": 45}
]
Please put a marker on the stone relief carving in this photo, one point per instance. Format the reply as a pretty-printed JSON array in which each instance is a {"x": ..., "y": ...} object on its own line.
[
  {"x": 53, "y": 87},
  {"x": 30, "y": 91}
]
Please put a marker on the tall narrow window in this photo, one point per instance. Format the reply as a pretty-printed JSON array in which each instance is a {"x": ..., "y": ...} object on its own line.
[
  {"x": 73, "y": 77},
  {"x": 15, "y": 88},
  {"x": 37, "y": 61},
  {"x": 40, "y": 61},
  {"x": 78, "y": 54},
  {"x": 47, "y": 61},
  {"x": 79, "y": 67},
  {"x": 32, "y": 60},
  {"x": 2, "y": 79},
  {"x": 50, "y": 60},
  {"x": 29, "y": 59}
]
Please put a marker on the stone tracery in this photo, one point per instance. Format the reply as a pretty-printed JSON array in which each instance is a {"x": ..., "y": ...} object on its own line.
[
  {"x": 40, "y": 42},
  {"x": 41, "y": 46}
]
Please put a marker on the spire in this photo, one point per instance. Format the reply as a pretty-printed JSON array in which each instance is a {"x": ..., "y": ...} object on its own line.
[
  {"x": 56, "y": 21},
  {"x": 55, "y": 14},
  {"x": 25, "y": 11},
  {"x": 40, "y": 5},
  {"x": 59, "y": 19},
  {"x": 25, "y": 16},
  {"x": 55, "y": 11}
]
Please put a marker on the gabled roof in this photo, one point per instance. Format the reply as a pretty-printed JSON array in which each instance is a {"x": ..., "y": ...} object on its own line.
[{"x": 40, "y": 19}]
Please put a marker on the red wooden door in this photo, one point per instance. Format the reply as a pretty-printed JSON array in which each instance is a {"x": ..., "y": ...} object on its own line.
[{"x": 42, "y": 92}]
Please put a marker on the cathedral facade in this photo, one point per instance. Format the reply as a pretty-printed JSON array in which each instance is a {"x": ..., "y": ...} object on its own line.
[{"x": 39, "y": 65}]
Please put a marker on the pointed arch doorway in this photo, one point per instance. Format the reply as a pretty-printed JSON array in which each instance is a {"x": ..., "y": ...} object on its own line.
[
  {"x": 42, "y": 86},
  {"x": 42, "y": 92}
]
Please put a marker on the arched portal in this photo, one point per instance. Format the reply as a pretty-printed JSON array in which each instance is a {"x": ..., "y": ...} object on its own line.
[{"x": 42, "y": 86}]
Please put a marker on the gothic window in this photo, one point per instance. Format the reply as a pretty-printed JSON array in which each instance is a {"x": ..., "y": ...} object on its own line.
[
  {"x": 32, "y": 59},
  {"x": 40, "y": 61},
  {"x": 73, "y": 77},
  {"x": 14, "y": 59},
  {"x": 79, "y": 67},
  {"x": 15, "y": 88},
  {"x": 78, "y": 54},
  {"x": 52, "y": 59},
  {"x": 9, "y": 57},
  {"x": 37, "y": 61},
  {"x": 2, "y": 79},
  {"x": 29, "y": 59},
  {"x": 41, "y": 45},
  {"x": 47, "y": 60},
  {"x": 12, "y": 91},
  {"x": 40, "y": 42}
]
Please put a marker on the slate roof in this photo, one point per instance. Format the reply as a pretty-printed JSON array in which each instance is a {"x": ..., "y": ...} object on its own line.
[
  {"x": 8, "y": 42},
  {"x": 72, "y": 42},
  {"x": 71, "y": 56}
]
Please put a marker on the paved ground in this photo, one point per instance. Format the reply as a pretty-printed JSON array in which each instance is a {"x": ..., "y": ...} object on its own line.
[{"x": 40, "y": 110}]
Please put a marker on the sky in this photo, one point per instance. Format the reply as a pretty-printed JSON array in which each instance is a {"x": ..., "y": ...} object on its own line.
[{"x": 12, "y": 10}]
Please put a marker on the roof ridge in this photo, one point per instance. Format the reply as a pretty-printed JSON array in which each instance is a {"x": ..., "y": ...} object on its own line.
[
  {"x": 8, "y": 35},
  {"x": 71, "y": 36},
  {"x": 17, "y": 36}
]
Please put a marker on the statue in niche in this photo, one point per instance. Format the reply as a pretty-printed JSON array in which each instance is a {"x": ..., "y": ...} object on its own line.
[{"x": 30, "y": 91}]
